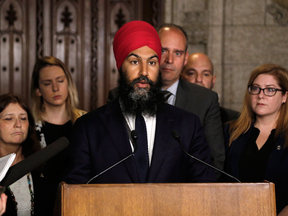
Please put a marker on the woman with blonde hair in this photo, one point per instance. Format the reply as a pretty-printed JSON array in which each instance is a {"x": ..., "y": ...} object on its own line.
[
  {"x": 257, "y": 141},
  {"x": 54, "y": 101},
  {"x": 51, "y": 77}
]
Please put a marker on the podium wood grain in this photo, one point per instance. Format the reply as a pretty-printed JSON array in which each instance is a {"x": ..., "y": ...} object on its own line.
[{"x": 205, "y": 199}]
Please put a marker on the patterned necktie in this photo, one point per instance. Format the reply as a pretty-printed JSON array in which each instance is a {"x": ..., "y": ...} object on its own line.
[
  {"x": 167, "y": 94},
  {"x": 141, "y": 155}
]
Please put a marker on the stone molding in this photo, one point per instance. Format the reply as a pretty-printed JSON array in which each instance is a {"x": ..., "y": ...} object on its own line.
[{"x": 279, "y": 13}]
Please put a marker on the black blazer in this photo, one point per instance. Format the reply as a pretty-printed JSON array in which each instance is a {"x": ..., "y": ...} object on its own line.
[
  {"x": 100, "y": 139},
  {"x": 277, "y": 167},
  {"x": 204, "y": 103},
  {"x": 228, "y": 115}
]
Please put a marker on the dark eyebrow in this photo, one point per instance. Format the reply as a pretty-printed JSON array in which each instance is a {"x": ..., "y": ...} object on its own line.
[
  {"x": 155, "y": 56},
  {"x": 174, "y": 50},
  {"x": 181, "y": 51},
  {"x": 207, "y": 71},
  {"x": 132, "y": 54},
  {"x": 137, "y": 56},
  {"x": 59, "y": 77}
]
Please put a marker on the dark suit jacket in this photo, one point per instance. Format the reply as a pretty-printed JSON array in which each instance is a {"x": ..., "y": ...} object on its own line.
[
  {"x": 228, "y": 115},
  {"x": 204, "y": 103},
  {"x": 277, "y": 167},
  {"x": 100, "y": 139}
]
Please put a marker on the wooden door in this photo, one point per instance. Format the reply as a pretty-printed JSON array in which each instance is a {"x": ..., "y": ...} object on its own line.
[{"x": 78, "y": 32}]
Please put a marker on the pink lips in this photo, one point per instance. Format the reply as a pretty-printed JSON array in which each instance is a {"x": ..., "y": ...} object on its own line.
[
  {"x": 260, "y": 104},
  {"x": 57, "y": 97},
  {"x": 142, "y": 84},
  {"x": 166, "y": 69}
]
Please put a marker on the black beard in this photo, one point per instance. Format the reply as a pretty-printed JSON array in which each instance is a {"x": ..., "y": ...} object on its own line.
[{"x": 143, "y": 100}]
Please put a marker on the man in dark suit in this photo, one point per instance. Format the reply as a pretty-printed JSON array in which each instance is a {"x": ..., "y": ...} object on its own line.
[
  {"x": 199, "y": 70},
  {"x": 101, "y": 138},
  {"x": 188, "y": 96}
]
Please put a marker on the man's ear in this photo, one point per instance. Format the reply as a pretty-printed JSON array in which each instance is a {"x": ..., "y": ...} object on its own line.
[
  {"x": 38, "y": 93},
  {"x": 186, "y": 58}
]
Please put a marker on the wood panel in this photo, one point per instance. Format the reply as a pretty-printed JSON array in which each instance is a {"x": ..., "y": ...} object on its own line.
[
  {"x": 17, "y": 37},
  {"x": 215, "y": 199},
  {"x": 78, "y": 32}
]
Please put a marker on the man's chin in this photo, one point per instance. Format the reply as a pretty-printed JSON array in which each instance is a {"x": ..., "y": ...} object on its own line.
[
  {"x": 140, "y": 92},
  {"x": 139, "y": 89}
]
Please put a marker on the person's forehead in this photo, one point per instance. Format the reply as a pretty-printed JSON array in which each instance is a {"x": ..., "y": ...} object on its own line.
[
  {"x": 51, "y": 71},
  {"x": 199, "y": 62},
  {"x": 173, "y": 40},
  {"x": 13, "y": 108},
  {"x": 173, "y": 33}
]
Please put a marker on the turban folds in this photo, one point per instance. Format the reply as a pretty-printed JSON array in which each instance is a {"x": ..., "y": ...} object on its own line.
[{"x": 134, "y": 35}]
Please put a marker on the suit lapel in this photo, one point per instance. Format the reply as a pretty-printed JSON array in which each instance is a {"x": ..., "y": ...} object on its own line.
[
  {"x": 114, "y": 122},
  {"x": 164, "y": 124},
  {"x": 182, "y": 96}
]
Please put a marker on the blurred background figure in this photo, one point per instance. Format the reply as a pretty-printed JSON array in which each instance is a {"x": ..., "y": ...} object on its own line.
[
  {"x": 258, "y": 139},
  {"x": 17, "y": 135},
  {"x": 200, "y": 70},
  {"x": 54, "y": 101}
]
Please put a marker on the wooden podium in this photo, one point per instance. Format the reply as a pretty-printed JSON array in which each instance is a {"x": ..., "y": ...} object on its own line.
[{"x": 204, "y": 199}]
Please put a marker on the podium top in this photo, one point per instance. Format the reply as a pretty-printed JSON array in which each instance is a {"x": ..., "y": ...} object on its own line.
[{"x": 169, "y": 199}]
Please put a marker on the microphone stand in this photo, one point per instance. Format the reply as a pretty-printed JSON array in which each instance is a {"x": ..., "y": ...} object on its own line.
[{"x": 177, "y": 137}]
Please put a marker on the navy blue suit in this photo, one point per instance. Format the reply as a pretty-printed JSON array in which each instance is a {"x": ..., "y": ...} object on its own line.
[
  {"x": 100, "y": 139},
  {"x": 204, "y": 103},
  {"x": 277, "y": 167}
]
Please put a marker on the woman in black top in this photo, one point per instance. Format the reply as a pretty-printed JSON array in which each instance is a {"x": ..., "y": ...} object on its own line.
[
  {"x": 257, "y": 141},
  {"x": 54, "y": 101}
]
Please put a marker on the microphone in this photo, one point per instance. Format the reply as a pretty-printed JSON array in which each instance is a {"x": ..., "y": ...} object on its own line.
[
  {"x": 33, "y": 161},
  {"x": 134, "y": 137},
  {"x": 177, "y": 137}
]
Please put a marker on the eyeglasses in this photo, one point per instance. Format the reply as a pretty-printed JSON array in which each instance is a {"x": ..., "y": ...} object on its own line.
[{"x": 270, "y": 92}]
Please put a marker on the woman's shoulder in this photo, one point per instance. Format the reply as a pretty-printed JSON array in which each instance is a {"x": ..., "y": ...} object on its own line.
[{"x": 78, "y": 113}]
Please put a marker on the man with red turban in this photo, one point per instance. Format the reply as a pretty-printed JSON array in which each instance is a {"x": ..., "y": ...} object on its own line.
[{"x": 138, "y": 124}]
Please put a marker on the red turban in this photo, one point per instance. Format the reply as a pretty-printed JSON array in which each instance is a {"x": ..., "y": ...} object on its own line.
[{"x": 134, "y": 35}]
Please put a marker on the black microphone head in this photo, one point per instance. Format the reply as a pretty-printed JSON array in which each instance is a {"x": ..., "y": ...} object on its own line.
[
  {"x": 175, "y": 135},
  {"x": 134, "y": 137},
  {"x": 33, "y": 161}
]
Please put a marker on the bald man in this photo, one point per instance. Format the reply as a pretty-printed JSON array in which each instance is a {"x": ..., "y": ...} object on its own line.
[
  {"x": 199, "y": 70},
  {"x": 103, "y": 137}
]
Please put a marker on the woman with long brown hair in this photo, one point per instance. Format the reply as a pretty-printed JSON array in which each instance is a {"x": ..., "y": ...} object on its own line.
[
  {"x": 17, "y": 135},
  {"x": 257, "y": 141}
]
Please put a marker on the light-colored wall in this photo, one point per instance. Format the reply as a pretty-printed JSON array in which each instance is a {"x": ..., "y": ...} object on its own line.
[{"x": 238, "y": 35}]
